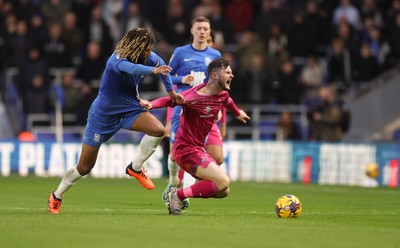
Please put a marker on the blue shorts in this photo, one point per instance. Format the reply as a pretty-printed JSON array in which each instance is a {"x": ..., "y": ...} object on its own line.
[
  {"x": 101, "y": 127},
  {"x": 176, "y": 115}
]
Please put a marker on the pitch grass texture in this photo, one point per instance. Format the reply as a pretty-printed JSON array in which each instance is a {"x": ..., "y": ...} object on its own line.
[{"x": 119, "y": 213}]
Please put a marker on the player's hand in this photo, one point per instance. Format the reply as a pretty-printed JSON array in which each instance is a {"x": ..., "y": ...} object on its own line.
[
  {"x": 187, "y": 79},
  {"x": 243, "y": 117},
  {"x": 176, "y": 97},
  {"x": 145, "y": 104},
  {"x": 163, "y": 70}
]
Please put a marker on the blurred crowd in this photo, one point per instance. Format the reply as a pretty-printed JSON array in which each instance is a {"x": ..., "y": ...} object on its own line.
[{"x": 281, "y": 51}]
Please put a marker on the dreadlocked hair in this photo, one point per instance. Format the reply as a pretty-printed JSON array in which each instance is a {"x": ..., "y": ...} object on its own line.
[{"x": 133, "y": 43}]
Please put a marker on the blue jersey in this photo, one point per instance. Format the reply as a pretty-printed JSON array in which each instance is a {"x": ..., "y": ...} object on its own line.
[
  {"x": 187, "y": 60},
  {"x": 117, "y": 104},
  {"x": 120, "y": 83}
]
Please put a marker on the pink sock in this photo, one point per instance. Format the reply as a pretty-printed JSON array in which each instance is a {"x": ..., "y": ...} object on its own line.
[{"x": 202, "y": 189}]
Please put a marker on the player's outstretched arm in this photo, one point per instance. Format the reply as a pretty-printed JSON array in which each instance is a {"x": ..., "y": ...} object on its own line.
[
  {"x": 163, "y": 70},
  {"x": 134, "y": 69},
  {"x": 243, "y": 117},
  {"x": 138, "y": 69},
  {"x": 240, "y": 114},
  {"x": 176, "y": 97},
  {"x": 159, "y": 103}
]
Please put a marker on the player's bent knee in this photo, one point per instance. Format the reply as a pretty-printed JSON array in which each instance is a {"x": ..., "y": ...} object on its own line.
[
  {"x": 160, "y": 135},
  {"x": 156, "y": 132},
  {"x": 222, "y": 194},
  {"x": 84, "y": 169},
  {"x": 159, "y": 131},
  {"x": 223, "y": 183},
  {"x": 225, "y": 193}
]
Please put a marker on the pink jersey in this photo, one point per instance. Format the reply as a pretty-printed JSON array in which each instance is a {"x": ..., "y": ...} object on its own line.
[{"x": 199, "y": 114}]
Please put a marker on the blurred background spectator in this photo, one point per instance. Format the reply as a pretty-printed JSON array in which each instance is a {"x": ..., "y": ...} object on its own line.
[
  {"x": 287, "y": 128},
  {"x": 326, "y": 117},
  {"x": 92, "y": 65},
  {"x": 312, "y": 77},
  {"x": 37, "y": 100},
  {"x": 56, "y": 49}
]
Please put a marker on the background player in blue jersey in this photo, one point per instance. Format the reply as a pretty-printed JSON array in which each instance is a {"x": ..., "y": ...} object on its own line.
[
  {"x": 189, "y": 68},
  {"x": 118, "y": 106}
]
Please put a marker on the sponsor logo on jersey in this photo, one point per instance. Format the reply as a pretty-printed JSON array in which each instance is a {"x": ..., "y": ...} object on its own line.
[{"x": 207, "y": 60}]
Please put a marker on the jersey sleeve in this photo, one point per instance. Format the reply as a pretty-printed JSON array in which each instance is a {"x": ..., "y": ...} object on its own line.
[
  {"x": 176, "y": 79},
  {"x": 134, "y": 69},
  {"x": 231, "y": 106},
  {"x": 162, "y": 102},
  {"x": 157, "y": 61}
]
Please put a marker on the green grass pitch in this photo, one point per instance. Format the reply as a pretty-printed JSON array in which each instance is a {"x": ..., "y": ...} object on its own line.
[{"x": 119, "y": 213}]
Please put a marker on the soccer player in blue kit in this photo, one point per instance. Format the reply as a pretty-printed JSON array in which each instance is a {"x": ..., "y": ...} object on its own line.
[
  {"x": 118, "y": 106},
  {"x": 189, "y": 68}
]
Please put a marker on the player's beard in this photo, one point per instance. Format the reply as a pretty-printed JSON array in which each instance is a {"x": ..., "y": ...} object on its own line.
[{"x": 222, "y": 85}]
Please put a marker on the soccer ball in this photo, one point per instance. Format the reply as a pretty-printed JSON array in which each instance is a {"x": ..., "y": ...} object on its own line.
[
  {"x": 288, "y": 206},
  {"x": 372, "y": 170}
]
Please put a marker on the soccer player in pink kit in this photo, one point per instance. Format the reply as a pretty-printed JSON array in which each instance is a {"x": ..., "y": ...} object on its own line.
[
  {"x": 214, "y": 139},
  {"x": 201, "y": 108}
]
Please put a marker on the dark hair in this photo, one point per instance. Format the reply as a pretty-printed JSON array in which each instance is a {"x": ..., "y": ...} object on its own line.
[
  {"x": 133, "y": 43},
  {"x": 217, "y": 64},
  {"x": 200, "y": 19}
]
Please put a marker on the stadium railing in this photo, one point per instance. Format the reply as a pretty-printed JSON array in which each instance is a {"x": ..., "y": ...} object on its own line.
[{"x": 264, "y": 121}]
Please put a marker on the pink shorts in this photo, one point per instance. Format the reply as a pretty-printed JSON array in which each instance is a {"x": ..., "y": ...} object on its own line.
[
  {"x": 189, "y": 157},
  {"x": 214, "y": 137}
]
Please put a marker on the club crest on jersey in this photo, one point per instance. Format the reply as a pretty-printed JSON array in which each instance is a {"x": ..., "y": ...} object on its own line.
[
  {"x": 210, "y": 115},
  {"x": 96, "y": 138},
  {"x": 207, "y": 60}
]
